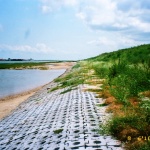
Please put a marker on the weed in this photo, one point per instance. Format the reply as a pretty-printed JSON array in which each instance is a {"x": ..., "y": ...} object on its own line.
[
  {"x": 76, "y": 66},
  {"x": 119, "y": 89},
  {"x": 58, "y": 131},
  {"x": 104, "y": 129},
  {"x": 65, "y": 91},
  {"x": 101, "y": 105},
  {"x": 100, "y": 70},
  {"x": 53, "y": 89},
  {"x": 74, "y": 78},
  {"x": 145, "y": 105},
  {"x": 117, "y": 69},
  {"x": 140, "y": 146}
]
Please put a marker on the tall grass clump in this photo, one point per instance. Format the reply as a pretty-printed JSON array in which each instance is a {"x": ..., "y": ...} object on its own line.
[
  {"x": 139, "y": 146},
  {"x": 117, "y": 69},
  {"x": 101, "y": 69},
  {"x": 145, "y": 107},
  {"x": 127, "y": 81}
]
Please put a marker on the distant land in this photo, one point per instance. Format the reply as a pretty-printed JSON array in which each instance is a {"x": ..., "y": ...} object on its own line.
[
  {"x": 9, "y": 59},
  {"x": 33, "y": 60}
]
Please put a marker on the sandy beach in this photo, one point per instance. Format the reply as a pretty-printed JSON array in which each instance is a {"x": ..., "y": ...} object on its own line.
[{"x": 10, "y": 103}]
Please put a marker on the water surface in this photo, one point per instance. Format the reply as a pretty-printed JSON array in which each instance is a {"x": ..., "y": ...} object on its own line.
[{"x": 17, "y": 81}]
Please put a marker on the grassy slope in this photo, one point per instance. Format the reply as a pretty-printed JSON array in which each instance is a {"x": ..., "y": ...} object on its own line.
[
  {"x": 127, "y": 91},
  {"x": 136, "y": 54}
]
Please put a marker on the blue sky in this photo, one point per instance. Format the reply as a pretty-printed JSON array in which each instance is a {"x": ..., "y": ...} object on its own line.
[{"x": 71, "y": 29}]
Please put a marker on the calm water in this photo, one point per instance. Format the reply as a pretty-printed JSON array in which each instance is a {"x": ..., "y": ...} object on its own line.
[{"x": 16, "y": 81}]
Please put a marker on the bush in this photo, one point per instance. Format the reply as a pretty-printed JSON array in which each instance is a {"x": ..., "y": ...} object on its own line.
[
  {"x": 144, "y": 146},
  {"x": 127, "y": 81},
  {"x": 119, "y": 89},
  {"x": 100, "y": 70},
  {"x": 117, "y": 69},
  {"x": 76, "y": 66},
  {"x": 145, "y": 105},
  {"x": 119, "y": 123}
]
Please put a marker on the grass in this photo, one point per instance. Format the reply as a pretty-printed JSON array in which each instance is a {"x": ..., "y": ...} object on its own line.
[
  {"x": 126, "y": 89},
  {"x": 141, "y": 146},
  {"x": 58, "y": 131},
  {"x": 22, "y": 65},
  {"x": 134, "y": 55},
  {"x": 67, "y": 90},
  {"x": 101, "y": 105},
  {"x": 77, "y": 76},
  {"x": 53, "y": 89}
]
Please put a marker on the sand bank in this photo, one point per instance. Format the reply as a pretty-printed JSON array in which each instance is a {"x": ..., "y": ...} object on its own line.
[{"x": 9, "y": 103}]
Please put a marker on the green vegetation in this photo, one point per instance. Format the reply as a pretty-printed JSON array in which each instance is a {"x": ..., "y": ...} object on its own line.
[
  {"x": 142, "y": 147},
  {"x": 23, "y": 65},
  {"x": 75, "y": 77},
  {"x": 101, "y": 105},
  {"x": 127, "y": 80},
  {"x": 58, "y": 131},
  {"x": 67, "y": 90},
  {"x": 138, "y": 54},
  {"x": 53, "y": 89}
]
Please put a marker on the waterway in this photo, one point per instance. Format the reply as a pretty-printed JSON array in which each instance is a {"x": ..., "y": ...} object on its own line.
[{"x": 16, "y": 81}]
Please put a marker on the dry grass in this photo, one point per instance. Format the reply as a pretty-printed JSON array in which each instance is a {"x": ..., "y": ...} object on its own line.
[
  {"x": 105, "y": 94},
  {"x": 128, "y": 131},
  {"x": 146, "y": 94},
  {"x": 110, "y": 100},
  {"x": 115, "y": 108},
  {"x": 134, "y": 101}
]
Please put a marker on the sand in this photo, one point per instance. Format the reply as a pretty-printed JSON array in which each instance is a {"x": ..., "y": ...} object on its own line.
[
  {"x": 62, "y": 65},
  {"x": 10, "y": 103},
  {"x": 7, "y": 106}
]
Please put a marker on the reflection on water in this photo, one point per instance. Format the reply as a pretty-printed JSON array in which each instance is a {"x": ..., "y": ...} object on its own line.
[{"x": 16, "y": 81}]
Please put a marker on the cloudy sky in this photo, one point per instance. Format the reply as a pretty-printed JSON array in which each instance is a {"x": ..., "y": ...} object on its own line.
[{"x": 71, "y": 29}]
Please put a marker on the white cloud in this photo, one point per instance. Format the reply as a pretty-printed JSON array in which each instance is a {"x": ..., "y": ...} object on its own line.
[
  {"x": 38, "y": 48},
  {"x": 112, "y": 15},
  {"x": 109, "y": 15},
  {"x": 52, "y": 5},
  {"x": 124, "y": 23},
  {"x": 46, "y": 9},
  {"x": 109, "y": 43}
]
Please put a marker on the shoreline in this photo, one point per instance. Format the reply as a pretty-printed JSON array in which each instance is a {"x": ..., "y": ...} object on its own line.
[
  {"x": 24, "y": 93},
  {"x": 10, "y": 103}
]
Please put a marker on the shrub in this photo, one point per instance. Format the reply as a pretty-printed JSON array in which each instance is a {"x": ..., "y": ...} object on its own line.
[
  {"x": 76, "y": 66},
  {"x": 117, "y": 69},
  {"x": 119, "y": 123},
  {"x": 58, "y": 131},
  {"x": 127, "y": 81},
  {"x": 100, "y": 70},
  {"x": 120, "y": 90},
  {"x": 145, "y": 105},
  {"x": 143, "y": 146}
]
